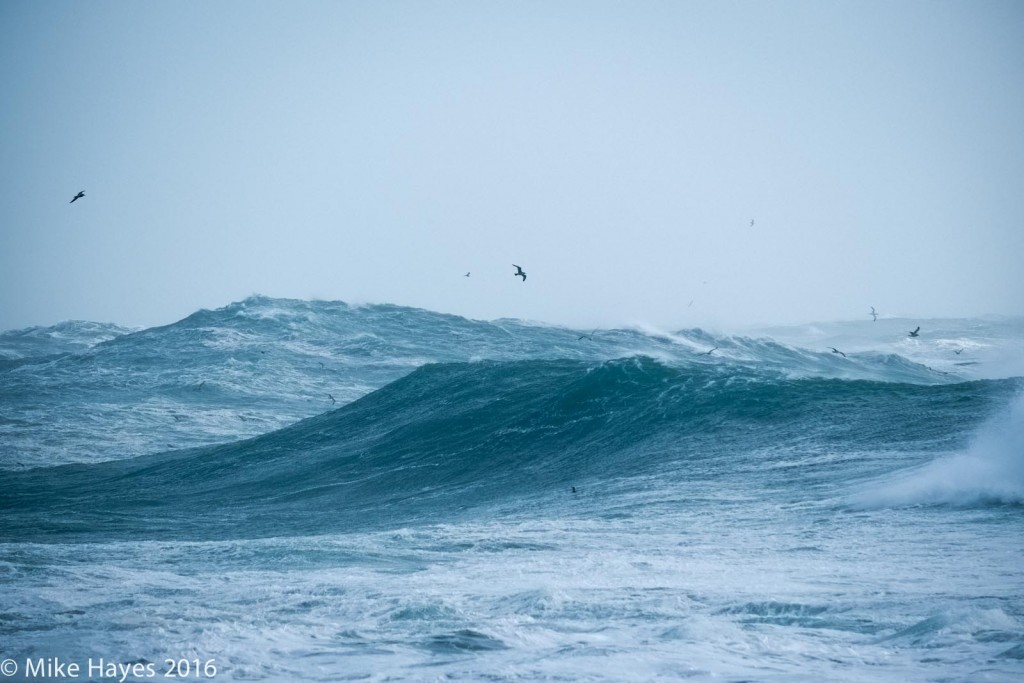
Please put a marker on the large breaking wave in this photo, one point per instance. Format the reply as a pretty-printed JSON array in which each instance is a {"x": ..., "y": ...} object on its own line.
[{"x": 448, "y": 438}]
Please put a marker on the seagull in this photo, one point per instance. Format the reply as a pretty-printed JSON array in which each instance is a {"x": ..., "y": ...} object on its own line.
[
  {"x": 519, "y": 272},
  {"x": 80, "y": 194},
  {"x": 708, "y": 353},
  {"x": 587, "y": 336},
  {"x": 466, "y": 275},
  {"x": 751, "y": 222},
  {"x": 332, "y": 399},
  {"x": 874, "y": 316},
  {"x": 958, "y": 351},
  {"x": 914, "y": 333},
  {"x": 835, "y": 350}
]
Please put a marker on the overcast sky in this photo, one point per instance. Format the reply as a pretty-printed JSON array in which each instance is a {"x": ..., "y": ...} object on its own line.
[{"x": 377, "y": 151}]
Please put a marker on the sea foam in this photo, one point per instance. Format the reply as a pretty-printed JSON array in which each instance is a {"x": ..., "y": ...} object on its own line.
[{"x": 989, "y": 472}]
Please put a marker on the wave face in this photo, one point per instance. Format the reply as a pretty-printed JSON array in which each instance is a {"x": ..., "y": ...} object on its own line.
[
  {"x": 454, "y": 436},
  {"x": 489, "y": 499}
]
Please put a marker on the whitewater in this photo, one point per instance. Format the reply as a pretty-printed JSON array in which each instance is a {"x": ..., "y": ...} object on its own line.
[{"x": 283, "y": 490}]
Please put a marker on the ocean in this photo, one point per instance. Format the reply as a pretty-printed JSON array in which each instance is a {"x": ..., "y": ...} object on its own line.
[{"x": 283, "y": 490}]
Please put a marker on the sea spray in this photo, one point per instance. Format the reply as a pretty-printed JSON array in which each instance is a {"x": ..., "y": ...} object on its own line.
[{"x": 990, "y": 471}]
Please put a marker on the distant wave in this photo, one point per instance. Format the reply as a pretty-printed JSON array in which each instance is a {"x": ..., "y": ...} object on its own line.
[
  {"x": 84, "y": 392},
  {"x": 63, "y": 338}
]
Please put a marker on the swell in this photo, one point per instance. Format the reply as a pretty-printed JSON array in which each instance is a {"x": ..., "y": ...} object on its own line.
[
  {"x": 260, "y": 364},
  {"x": 450, "y": 439}
]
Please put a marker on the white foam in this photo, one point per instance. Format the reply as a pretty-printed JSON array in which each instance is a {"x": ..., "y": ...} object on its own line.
[{"x": 990, "y": 471}]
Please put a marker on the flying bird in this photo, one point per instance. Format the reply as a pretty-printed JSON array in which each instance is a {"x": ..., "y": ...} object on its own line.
[
  {"x": 708, "y": 353},
  {"x": 835, "y": 350},
  {"x": 466, "y": 275},
  {"x": 751, "y": 222},
  {"x": 80, "y": 194},
  {"x": 874, "y": 316},
  {"x": 519, "y": 272},
  {"x": 587, "y": 336},
  {"x": 916, "y": 330},
  {"x": 958, "y": 351},
  {"x": 332, "y": 399}
]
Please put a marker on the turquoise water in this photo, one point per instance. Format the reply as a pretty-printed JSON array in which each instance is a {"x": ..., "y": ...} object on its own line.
[{"x": 314, "y": 491}]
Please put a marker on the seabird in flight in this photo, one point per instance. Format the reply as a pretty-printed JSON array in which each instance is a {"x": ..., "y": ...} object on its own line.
[
  {"x": 835, "y": 350},
  {"x": 587, "y": 336},
  {"x": 708, "y": 353},
  {"x": 958, "y": 351},
  {"x": 519, "y": 272},
  {"x": 332, "y": 399},
  {"x": 80, "y": 194},
  {"x": 874, "y": 316},
  {"x": 916, "y": 330},
  {"x": 466, "y": 275}
]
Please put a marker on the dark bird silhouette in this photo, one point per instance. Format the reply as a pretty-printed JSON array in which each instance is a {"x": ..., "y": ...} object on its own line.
[
  {"x": 586, "y": 336},
  {"x": 519, "y": 272},
  {"x": 466, "y": 275},
  {"x": 574, "y": 489},
  {"x": 332, "y": 399},
  {"x": 958, "y": 351},
  {"x": 751, "y": 222},
  {"x": 708, "y": 353},
  {"x": 77, "y": 196},
  {"x": 835, "y": 350},
  {"x": 916, "y": 330},
  {"x": 874, "y": 316}
]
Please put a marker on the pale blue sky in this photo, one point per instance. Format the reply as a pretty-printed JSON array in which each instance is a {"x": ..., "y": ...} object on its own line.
[{"x": 376, "y": 151}]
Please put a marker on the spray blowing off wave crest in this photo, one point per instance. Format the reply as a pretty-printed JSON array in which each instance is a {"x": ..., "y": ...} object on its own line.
[{"x": 989, "y": 472}]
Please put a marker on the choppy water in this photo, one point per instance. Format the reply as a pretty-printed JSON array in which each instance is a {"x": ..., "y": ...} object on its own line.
[{"x": 771, "y": 511}]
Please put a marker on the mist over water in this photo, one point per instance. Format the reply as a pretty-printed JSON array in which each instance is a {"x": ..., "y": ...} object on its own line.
[{"x": 311, "y": 490}]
